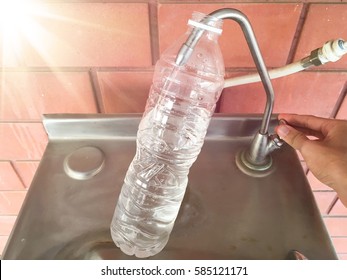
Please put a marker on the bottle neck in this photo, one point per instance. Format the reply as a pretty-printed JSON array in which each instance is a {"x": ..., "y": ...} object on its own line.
[
  {"x": 209, "y": 26},
  {"x": 208, "y": 35}
]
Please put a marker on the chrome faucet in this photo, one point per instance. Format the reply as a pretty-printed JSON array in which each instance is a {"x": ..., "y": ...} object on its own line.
[{"x": 257, "y": 156}]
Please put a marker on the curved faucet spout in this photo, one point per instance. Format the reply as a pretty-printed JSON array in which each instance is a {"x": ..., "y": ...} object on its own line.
[
  {"x": 258, "y": 153},
  {"x": 226, "y": 13},
  {"x": 246, "y": 27}
]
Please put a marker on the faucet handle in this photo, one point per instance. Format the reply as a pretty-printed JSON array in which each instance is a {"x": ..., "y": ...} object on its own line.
[
  {"x": 274, "y": 143},
  {"x": 276, "y": 140}
]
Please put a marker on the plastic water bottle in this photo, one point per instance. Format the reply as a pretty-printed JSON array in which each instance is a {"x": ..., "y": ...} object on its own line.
[{"x": 171, "y": 133}]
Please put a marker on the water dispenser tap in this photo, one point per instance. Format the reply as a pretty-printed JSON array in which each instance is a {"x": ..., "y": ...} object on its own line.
[{"x": 257, "y": 157}]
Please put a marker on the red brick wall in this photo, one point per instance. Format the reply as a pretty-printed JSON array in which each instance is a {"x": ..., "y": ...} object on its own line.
[{"x": 98, "y": 57}]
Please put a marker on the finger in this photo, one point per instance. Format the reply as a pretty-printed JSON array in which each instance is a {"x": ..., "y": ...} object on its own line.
[
  {"x": 307, "y": 131},
  {"x": 313, "y": 123},
  {"x": 290, "y": 135}
]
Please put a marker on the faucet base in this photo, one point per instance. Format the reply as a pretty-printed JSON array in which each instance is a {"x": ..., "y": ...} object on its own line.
[{"x": 251, "y": 169}]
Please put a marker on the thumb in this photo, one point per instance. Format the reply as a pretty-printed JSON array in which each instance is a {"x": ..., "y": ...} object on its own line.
[{"x": 290, "y": 135}]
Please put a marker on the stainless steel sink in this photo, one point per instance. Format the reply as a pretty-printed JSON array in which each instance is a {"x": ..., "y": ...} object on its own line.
[{"x": 226, "y": 214}]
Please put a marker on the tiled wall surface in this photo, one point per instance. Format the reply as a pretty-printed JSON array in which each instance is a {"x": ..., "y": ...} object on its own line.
[{"x": 83, "y": 56}]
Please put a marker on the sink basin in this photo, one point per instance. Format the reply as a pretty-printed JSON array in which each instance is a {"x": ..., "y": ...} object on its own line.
[{"x": 225, "y": 214}]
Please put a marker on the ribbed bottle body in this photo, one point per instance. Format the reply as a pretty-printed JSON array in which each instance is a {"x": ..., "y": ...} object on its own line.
[{"x": 169, "y": 139}]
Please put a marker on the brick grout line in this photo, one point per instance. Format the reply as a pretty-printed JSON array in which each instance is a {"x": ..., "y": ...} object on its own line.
[
  {"x": 332, "y": 204},
  {"x": 96, "y": 1},
  {"x": 124, "y": 69},
  {"x": 74, "y": 69},
  {"x": 142, "y": 69},
  {"x": 93, "y": 76},
  {"x": 16, "y": 171},
  {"x": 21, "y": 160},
  {"x": 319, "y": 2},
  {"x": 339, "y": 101},
  {"x": 153, "y": 30},
  {"x": 44, "y": 69},
  {"x": 280, "y": 2},
  {"x": 334, "y": 216},
  {"x": 12, "y": 191},
  {"x": 323, "y": 191},
  {"x": 9, "y": 215},
  {"x": 318, "y": 69},
  {"x": 22, "y": 121},
  {"x": 298, "y": 31}
]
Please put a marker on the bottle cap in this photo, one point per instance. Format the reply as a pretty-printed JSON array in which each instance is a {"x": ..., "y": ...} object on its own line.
[{"x": 205, "y": 27}]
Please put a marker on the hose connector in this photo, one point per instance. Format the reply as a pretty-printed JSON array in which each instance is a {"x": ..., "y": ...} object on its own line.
[{"x": 331, "y": 51}]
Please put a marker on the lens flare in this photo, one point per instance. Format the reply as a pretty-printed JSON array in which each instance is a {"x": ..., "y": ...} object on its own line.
[
  {"x": 17, "y": 21},
  {"x": 23, "y": 36}
]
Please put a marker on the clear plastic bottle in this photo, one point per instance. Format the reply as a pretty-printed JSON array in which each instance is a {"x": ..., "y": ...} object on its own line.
[{"x": 171, "y": 133}]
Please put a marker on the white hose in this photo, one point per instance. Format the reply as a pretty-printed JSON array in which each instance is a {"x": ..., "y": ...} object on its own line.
[
  {"x": 274, "y": 73},
  {"x": 330, "y": 52}
]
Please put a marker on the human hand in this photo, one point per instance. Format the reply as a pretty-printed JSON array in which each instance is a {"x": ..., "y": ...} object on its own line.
[{"x": 326, "y": 156}]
